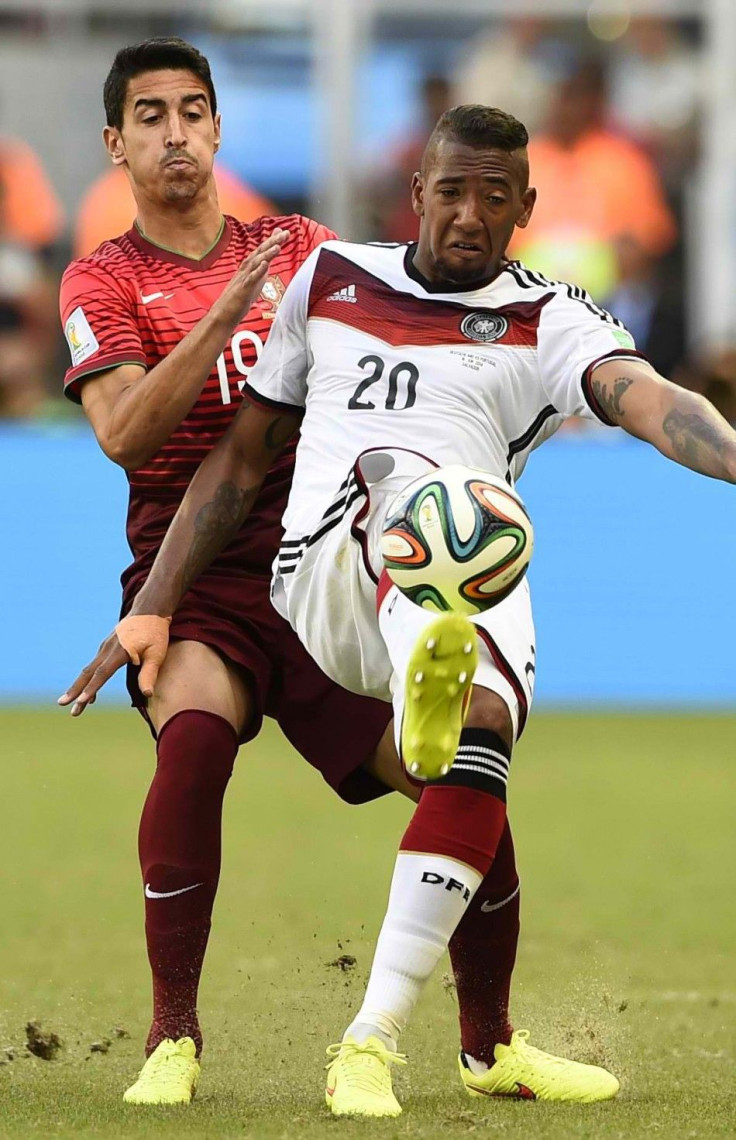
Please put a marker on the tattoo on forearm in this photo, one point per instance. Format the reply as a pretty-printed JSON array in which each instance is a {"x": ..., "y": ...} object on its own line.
[
  {"x": 214, "y": 524},
  {"x": 696, "y": 442},
  {"x": 278, "y": 433},
  {"x": 610, "y": 401}
]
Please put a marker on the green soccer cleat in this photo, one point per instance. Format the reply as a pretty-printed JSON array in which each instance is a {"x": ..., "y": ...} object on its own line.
[
  {"x": 525, "y": 1073},
  {"x": 359, "y": 1079},
  {"x": 438, "y": 680},
  {"x": 169, "y": 1076}
]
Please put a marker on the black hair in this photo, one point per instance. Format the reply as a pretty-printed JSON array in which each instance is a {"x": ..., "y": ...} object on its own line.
[
  {"x": 477, "y": 126},
  {"x": 163, "y": 53}
]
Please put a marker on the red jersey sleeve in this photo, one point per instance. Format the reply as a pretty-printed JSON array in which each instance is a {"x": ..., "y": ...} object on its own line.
[
  {"x": 100, "y": 324},
  {"x": 313, "y": 234}
]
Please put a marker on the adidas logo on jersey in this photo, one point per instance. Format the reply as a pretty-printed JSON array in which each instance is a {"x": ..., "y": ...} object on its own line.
[{"x": 345, "y": 294}]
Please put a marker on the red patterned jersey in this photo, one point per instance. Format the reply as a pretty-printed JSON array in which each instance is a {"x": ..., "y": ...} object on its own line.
[{"x": 132, "y": 302}]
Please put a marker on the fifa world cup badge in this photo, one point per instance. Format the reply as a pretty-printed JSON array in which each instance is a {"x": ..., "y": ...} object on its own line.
[{"x": 272, "y": 292}]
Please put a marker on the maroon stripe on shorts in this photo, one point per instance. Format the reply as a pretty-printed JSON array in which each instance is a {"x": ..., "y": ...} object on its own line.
[{"x": 505, "y": 669}]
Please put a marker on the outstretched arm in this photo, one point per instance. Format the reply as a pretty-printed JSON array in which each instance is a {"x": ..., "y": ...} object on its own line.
[
  {"x": 217, "y": 502},
  {"x": 681, "y": 424}
]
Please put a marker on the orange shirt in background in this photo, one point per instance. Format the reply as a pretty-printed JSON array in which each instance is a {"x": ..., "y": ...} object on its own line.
[
  {"x": 108, "y": 208},
  {"x": 601, "y": 188},
  {"x": 31, "y": 212}
]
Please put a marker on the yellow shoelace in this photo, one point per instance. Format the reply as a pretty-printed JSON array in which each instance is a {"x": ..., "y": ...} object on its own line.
[{"x": 352, "y": 1053}]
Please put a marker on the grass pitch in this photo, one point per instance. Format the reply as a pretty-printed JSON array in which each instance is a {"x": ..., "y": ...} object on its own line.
[{"x": 626, "y": 843}]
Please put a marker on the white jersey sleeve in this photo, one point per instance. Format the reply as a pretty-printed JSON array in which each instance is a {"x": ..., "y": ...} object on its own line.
[
  {"x": 575, "y": 336},
  {"x": 279, "y": 379}
]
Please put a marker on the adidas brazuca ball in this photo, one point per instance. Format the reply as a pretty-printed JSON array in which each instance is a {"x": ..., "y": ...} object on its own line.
[{"x": 457, "y": 539}]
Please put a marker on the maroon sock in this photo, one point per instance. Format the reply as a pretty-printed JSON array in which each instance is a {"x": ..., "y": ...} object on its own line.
[
  {"x": 179, "y": 848},
  {"x": 483, "y": 953}
]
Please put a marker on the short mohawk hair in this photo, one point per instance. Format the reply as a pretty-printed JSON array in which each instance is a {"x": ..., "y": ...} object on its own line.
[{"x": 476, "y": 125}]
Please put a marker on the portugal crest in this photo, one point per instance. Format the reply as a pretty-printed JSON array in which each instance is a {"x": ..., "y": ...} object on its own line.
[
  {"x": 272, "y": 292},
  {"x": 484, "y": 327}
]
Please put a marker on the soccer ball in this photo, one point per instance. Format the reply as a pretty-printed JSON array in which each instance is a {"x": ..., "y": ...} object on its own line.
[{"x": 457, "y": 539}]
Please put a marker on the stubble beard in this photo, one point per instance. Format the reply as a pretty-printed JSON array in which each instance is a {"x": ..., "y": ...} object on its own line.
[
  {"x": 464, "y": 274},
  {"x": 183, "y": 190}
]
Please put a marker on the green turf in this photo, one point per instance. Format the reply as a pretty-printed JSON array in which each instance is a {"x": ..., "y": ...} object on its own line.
[{"x": 626, "y": 844}]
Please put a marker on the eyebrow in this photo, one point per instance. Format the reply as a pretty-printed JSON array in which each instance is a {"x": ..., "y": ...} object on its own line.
[
  {"x": 193, "y": 98},
  {"x": 456, "y": 179}
]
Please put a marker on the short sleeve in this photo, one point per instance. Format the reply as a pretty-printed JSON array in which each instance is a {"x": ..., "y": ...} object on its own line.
[
  {"x": 99, "y": 322},
  {"x": 574, "y": 337},
  {"x": 311, "y": 235},
  {"x": 279, "y": 379}
]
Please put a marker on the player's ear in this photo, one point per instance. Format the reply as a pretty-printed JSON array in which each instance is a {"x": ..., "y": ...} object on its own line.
[
  {"x": 417, "y": 193},
  {"x": 113, "y": 141},
  {"x": 218, "y": 134},
  {"x": 528, "y": 199}
]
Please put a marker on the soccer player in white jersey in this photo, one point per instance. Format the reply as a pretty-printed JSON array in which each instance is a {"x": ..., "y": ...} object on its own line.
[{"x": 391, "y": 360}]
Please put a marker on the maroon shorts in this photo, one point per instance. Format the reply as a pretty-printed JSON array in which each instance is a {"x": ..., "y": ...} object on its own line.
[{"x": 334, "y": 730}]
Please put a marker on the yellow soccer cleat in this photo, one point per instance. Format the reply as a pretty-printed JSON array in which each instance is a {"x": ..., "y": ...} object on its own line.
[
  {"x": 359, "y": 1079},
  {"x": 526, "y": 1073},
  {"x": 169, "y": 1076},
  {"x": 438, "y": 680}
]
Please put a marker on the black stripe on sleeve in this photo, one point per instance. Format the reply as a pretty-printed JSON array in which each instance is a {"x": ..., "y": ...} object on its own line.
[
  {"x": 272, "y": 405},
  {"x": 586, "y": 385}
]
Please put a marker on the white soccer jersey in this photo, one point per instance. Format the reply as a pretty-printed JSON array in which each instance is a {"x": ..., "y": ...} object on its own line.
[{"x": 373, "y": 355}]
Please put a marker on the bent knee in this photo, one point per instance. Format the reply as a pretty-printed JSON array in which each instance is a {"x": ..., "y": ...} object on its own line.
[{"x": 489, "y": 711}]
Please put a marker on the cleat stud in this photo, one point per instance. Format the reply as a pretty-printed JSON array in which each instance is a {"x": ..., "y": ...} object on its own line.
[
  {"x": 414, "y": 766},
  {"x": 468, "y": 647},
  {"x": 462, "y": 678},
  {"x": 431, "y": 643},
  {"x": 419, "y": 677},
  {"x": 444, "y": 769}
]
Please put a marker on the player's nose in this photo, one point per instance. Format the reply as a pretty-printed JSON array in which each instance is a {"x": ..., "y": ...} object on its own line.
[
  {"x": 467, "y": 216},
  {"x": 175, "y": 133}
]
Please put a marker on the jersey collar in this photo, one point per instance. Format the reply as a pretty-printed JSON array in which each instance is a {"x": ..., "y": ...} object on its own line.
[
  {"x": 440, "y": 286},
  {"x": 161, "y": 253}
]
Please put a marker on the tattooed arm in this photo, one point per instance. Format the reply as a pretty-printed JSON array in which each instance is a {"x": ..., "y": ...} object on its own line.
[
  {"x": 682, "y": 425},
  {"x": 217, "y": 502}
]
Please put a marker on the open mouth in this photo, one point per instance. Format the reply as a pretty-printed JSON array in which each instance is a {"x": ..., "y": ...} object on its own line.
[{"x": 467, "y": 247}]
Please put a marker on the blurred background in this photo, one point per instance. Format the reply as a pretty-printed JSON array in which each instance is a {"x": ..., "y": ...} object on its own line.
[{"x": 326, "y": 105}]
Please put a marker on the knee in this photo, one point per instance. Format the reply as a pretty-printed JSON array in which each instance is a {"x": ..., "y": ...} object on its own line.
[
  {"x": 195, "y": 753},
  {"x": 490, "y": 712}
]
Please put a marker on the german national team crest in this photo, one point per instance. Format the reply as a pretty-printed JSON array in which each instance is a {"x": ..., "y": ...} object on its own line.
[
  {"x": 484, "y": 327},
  {"x": 272, "y": 292}
]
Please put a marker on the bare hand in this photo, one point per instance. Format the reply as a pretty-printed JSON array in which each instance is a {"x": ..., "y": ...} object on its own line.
[
  {"x": 142, "y": 639},
  {"x": 241, "y": 292}
]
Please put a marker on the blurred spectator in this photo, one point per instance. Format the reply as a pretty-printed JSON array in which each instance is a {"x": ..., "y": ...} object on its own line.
[
  {"x": 27, "y": 319},
  {"x": 108, "y": 207},
  {"x": 509, "y": 66},
  {"x": 389, "y": 207},
  {"x": 650, "y": 305},
  {"x": 32, "y": 214},
  {"x": 595, "y": 187},
  {"x": 656, "y": 87}
]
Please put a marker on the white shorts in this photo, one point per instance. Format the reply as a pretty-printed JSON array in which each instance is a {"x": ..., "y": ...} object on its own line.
[{"x": 328, "y": 593}]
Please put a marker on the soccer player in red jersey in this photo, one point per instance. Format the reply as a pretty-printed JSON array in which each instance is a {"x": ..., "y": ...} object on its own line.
[{"x": 163, "y": 325}]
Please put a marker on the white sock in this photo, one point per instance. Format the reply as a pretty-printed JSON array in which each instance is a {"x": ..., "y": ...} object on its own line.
[{"x": 429, "y": 896}]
